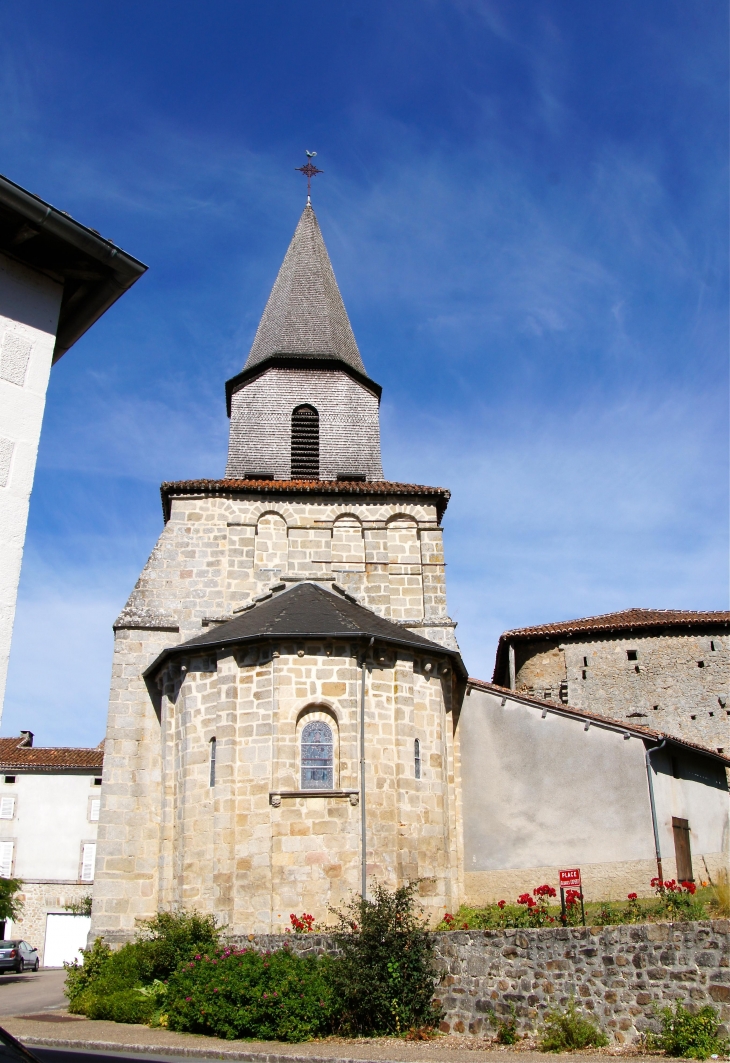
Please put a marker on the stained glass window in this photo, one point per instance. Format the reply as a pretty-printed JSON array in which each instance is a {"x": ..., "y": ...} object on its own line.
[{"x": 317, "y": 756}]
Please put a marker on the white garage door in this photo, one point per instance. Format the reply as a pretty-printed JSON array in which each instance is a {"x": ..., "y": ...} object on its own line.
[{"x": 65, "y": 935}]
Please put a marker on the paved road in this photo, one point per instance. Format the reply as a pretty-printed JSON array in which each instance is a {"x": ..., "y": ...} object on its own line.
[{"x": 26, "y": 994}]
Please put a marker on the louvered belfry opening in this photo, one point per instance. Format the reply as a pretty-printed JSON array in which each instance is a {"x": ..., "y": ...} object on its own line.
[{"x": 305, "y": 443}]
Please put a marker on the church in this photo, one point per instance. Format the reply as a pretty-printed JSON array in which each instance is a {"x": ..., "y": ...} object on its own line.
[{"x": 290, "y": 718}]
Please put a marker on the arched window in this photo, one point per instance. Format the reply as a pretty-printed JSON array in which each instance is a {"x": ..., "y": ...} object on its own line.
[
  {"x": 317, "y": 756},
  {"x": 305, "y": 443},
  {"x": 417, "y": 758}
]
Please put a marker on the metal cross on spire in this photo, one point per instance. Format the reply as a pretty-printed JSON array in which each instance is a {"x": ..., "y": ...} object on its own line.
[{"x": 310, "y": 171}]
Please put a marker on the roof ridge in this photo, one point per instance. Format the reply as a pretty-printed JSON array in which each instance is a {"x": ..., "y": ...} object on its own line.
[{"x": 304, "y": 315}]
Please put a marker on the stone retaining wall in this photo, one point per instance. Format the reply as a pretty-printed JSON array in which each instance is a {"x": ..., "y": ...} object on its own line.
[{"x": 619, "y": 973}]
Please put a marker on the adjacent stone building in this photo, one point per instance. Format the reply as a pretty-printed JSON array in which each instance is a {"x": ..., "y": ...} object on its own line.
[{"x": 667, "y": 669}]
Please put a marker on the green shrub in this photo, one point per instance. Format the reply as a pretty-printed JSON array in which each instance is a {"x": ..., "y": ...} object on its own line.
[
  {"x": 564, "y": 1031},
  {"x": 232, "y": 994},
  {"x": 125, "y": 1005},
  {"x": 507, "y": 1033},
  {"x": 383, "y": 978},
  {"x": 170, "y": 939},
  {"x": 692, "y": 1036}
]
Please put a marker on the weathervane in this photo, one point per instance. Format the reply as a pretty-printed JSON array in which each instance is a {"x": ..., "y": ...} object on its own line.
[{"x": 310, "y": 171}]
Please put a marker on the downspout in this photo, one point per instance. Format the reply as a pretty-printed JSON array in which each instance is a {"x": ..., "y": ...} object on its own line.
[
  {"x": 363, "y": 816},
  {"x": 652, "y": 802}
]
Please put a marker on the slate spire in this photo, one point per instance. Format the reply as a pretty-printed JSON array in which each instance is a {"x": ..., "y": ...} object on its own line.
[{"x": 305, "y": 316}]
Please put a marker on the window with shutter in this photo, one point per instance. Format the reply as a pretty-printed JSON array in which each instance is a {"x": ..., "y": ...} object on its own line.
[
  {"x": 6, "y": 859},
  {"x": 305, "y": 443},
  {"x": 7, "y": 807},
  {"x": 94, "y": 806},
  {"x": 88, "y": 859}
]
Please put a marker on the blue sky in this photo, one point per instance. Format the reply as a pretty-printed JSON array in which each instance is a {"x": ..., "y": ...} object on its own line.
[{"x": 525, "y": 203}]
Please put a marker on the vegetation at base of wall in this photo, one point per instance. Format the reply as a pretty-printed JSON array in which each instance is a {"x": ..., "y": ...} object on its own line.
[
  {"x": 507, "y": 1032},
  {"x": 384, "y": 977},
  {"x": 693, "y": 1036},
  {"x": 672, "y": 901},
  {"x": 11, "y": 905},
  {"x": 568, "y": 1030},
  {"x": 164, "y": 943},
  {"x": 721, "y": 895},
  {"x": 273, "y": 995},
  {"x": 82, "y": 907},
  {"x": 177, "y": 974}
]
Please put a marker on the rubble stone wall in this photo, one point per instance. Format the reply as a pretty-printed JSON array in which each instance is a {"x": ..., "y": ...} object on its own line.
[
  {"x": 619, "y": 974},
  {"x": 676, "y": 682}
]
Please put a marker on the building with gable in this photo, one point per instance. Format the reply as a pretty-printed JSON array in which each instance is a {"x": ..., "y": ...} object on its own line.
[
  {"x": 667, "y": 669},
  {"x": 289, "y": 715},
  {"x": 50, "y": 798}
]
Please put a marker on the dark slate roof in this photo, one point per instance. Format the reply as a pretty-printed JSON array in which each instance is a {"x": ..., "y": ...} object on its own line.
[
  {"x": 17, "y": 755},
  {"x": 307, "y": 610},
  {"x": 436, "y": 496},
  {"x": 623, "y": 622},
  {"x": 305, "y": 315},
  {"x": 93, "y": 270},
  {"x": 595, "y": 717}
]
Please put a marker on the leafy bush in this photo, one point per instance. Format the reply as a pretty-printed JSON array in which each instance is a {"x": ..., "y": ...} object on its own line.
[
  {"x": 171, "y": 939},
  {"x": 11, "y": 905},
  {"x": 564, "y": 1031},
  {"x": 125, "y": 1005},
  {"x": 383, "y": 978},
  {"x": 692, "y": 1036},
  {"x": 507, "y": 1033},
  {"x": 229, "y": 993}
]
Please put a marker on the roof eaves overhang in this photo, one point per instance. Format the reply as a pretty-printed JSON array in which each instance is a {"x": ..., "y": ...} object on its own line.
[
  {"x": 186, "y": 650},
  {"x": 94, "y": 271},
  {"x": 601, "y": 722},
  {"x": 368, "y": 489},
  {"x": 284, "y": 360}
]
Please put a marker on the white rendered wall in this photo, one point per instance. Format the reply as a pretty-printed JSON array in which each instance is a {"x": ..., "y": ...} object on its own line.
[
  {"x": 51, "y": 823},
  {"x": 29, "y": 306}
]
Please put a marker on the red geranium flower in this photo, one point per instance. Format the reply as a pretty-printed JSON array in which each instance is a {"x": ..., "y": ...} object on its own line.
[
  {"x": 633, "y": 896},
  {"x": 501, "y": 904}
]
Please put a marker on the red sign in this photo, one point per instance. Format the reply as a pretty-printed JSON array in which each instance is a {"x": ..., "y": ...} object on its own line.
[{"x": 570, "y": 879}]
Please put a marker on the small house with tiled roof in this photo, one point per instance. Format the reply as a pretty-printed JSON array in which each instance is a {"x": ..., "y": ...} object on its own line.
[
  {"x": 290, "y": 718},
  {"x": 50, "y": 800},
  {"x": 667, "y": 669}
]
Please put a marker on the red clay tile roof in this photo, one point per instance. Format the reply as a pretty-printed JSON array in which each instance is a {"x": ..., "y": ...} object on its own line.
[
  {"x": 624, "y": 621},
  {"x": 595, "y": 717},
  {"x": 14, "y": 755},
  {"x": 439, "y": 496}
]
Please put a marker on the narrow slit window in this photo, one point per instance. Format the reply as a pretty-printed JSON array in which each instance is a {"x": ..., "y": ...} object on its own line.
[
  {"x": 317, "y": 756},
  {"x": 305, "y": 443},
  {"x": 417, "y": 758},
  {"x": 632, "y": 655},
  {"x": 212, "y": 762}
]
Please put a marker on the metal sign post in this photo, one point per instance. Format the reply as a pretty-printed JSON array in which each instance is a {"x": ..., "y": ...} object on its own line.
[{"x": 570, "y": 879}]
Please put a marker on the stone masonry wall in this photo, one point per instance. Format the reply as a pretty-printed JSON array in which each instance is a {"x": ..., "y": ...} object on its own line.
[
  {"x": 214, "y": 556},
  {"x": 255, "y": 846},
  {"x": 677, "y": 682},
  {"x": 616, "y": 973}
]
